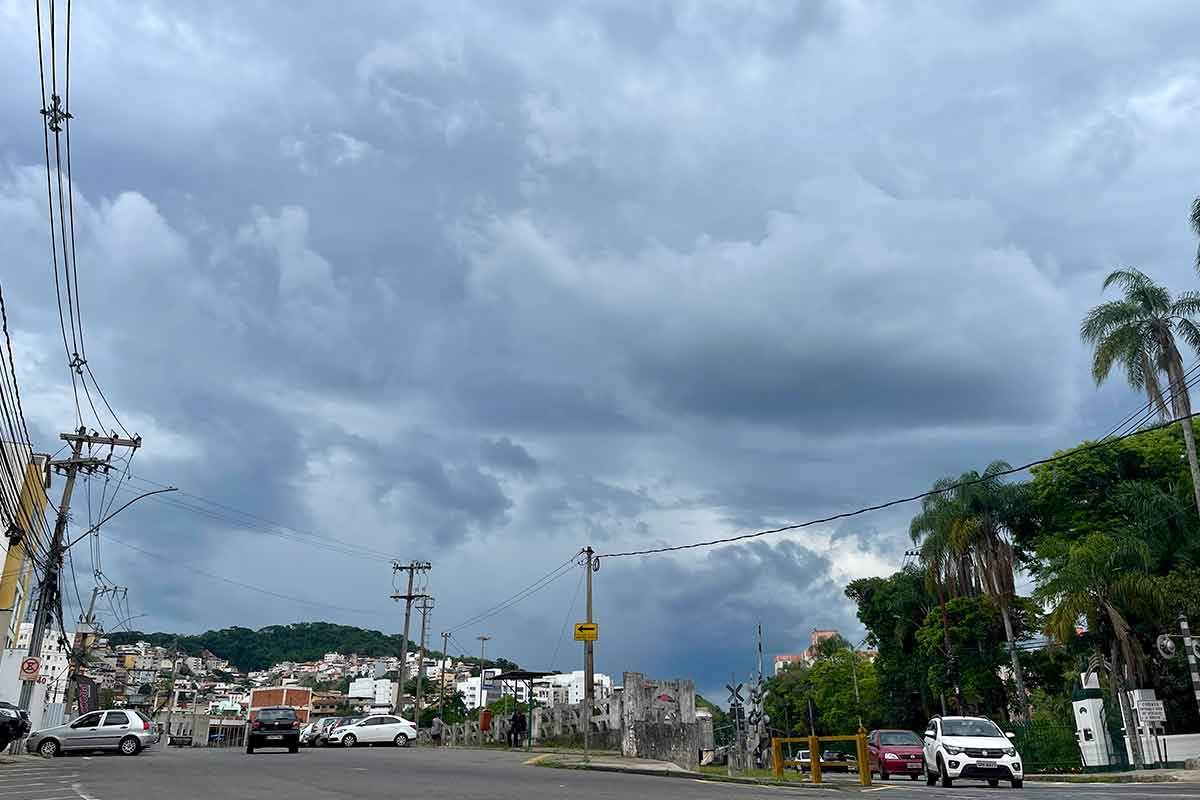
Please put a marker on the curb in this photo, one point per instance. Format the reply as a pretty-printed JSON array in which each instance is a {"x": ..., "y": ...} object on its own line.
[
  {"x": 694, "y": 776},
  {"x": 1100, "y": 778}
]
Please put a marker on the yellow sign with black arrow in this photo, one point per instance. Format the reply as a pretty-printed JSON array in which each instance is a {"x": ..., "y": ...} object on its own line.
[{"x": 586, "y": 631}]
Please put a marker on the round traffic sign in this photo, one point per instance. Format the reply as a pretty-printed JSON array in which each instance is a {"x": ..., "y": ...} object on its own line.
[{"x": 30, "y": 667}]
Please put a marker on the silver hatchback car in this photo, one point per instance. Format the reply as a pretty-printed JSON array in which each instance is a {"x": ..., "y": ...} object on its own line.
[{"x": 121, "y": 729}]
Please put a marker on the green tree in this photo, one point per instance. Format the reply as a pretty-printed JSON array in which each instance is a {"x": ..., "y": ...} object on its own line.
[
  {"x": 1102, "y": 580},
  {"x": 976, "y": 632},
  {"x": 1139, "y": 333},
  {"x": 892, "y": 609},
  {"x": 965, "y": 535}
]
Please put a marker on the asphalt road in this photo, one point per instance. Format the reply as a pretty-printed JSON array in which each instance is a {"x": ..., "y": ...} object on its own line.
[{"x": 378, "y": 773}]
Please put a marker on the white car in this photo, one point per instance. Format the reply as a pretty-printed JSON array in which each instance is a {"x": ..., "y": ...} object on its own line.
[
  {"x": 970, "y": 747},
  {"x": 378, "y": 729}
]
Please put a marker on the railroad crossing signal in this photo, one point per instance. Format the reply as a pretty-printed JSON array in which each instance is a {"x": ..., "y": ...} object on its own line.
[{"x": 735, "y": 694}]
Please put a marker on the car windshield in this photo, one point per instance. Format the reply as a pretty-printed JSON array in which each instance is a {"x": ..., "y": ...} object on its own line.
[
  {"x": 970, "y": 727},
  {"x": 274, "y": 714},
  {"x": 899, "y": 738}
]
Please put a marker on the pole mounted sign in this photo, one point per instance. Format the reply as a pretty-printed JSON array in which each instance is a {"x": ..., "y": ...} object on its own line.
[
  {"x": 587, "y": 632},
  {"x": 31, "y": 667},
  {"x": 1151, "y": 711}
]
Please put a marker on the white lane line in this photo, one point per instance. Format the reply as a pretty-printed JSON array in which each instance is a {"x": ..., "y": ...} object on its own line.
[{"x": 82, "y": 795}]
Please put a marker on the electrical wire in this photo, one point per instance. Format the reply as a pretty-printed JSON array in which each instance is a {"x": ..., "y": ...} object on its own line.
[
  {"x": 567, "y": 619},
  {"x": 536, "y": 586},
  {"x": 901, "y": 500},
  {"x": 174, "y": 560}
]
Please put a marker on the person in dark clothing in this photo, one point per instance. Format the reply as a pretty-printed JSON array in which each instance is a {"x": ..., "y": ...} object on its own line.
[{"x": 516, "y": 728}]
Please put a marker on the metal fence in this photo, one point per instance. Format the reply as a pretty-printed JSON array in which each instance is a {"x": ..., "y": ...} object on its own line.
[{"x": 1047, "y": 746}]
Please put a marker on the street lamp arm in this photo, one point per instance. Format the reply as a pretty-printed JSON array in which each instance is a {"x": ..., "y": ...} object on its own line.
[{"x": 96, "y": 527}]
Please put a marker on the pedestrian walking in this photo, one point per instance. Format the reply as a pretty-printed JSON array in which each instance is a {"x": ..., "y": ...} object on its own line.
[{"x": 435, "y": 730}]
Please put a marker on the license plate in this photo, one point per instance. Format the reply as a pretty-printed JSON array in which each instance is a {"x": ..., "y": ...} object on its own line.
[
  {"x": 280, "y": 737},
  {"x": 914, "y": 765},
  {"x": 986, "y": 764}
]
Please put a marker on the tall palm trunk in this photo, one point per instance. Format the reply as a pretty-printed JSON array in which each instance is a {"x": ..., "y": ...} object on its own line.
[
  {"x": 1018, "y": 673},
  {"x": 949, "y": 653},
  {"x": 1183, "y": 410},
  {"x": 1116, "y": 672}
]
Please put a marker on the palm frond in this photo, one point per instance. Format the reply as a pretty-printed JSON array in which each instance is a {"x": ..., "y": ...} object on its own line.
[
  {"x": 1129, "y": 279},
  {"x": 1195, "y": 219},
  {"x": 1108, "y": 317}
]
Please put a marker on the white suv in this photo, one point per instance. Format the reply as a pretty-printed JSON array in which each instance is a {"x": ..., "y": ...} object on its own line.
[{"x": 970, "y": 747}]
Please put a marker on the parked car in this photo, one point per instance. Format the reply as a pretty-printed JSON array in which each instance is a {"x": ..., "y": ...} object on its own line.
[
  {"x": 327, "y": 726},
  {"x": 378, "y": 729},
  {"x": 274, "y": 727},
  {"x": 307, "y": 733},
  {"x": 895, "y": 752},
  {"x": 834, "y": 755},
  {"x": 805, "y": 759},
  {"x": 14, "y": 723},
  {"x": 121, "y": 729},
  {"x": 970, "y": 747}
]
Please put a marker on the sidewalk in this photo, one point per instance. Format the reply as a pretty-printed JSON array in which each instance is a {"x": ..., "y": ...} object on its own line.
[{"x": 1134, "y": 776}]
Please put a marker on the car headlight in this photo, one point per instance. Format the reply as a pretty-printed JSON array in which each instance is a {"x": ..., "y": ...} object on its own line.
[
  {"x": 1012, "y": 751},
  {"x": 9, "y": 713},
  {"x": 891, "y": 757},
  {"x": 954, "y": 751}
]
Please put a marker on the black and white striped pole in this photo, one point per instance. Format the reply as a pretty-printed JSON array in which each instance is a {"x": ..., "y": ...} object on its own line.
[{"x": 1190, "y": 651}]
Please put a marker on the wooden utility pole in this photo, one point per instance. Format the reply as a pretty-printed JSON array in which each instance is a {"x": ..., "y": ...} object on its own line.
[
  {"x": 589, "y": 664},
  {"x": 412, "y": 568},
  {"x": 48, "y": 588},
  {"x": 425, "y": 606}
]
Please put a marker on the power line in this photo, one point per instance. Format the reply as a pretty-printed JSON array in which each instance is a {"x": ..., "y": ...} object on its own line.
[
  {"x": 567, "y": 621},
  {"x": 174, "y": 560},
  {"x": 536, "y": 586},
  {"x": 902, "y": 500}
]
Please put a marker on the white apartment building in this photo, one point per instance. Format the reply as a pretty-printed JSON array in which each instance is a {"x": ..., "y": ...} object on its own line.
[
  {"x": 493, "y": 690},
  {"x": 54, "y": 661},
  {"x": 569, "y": 688}
]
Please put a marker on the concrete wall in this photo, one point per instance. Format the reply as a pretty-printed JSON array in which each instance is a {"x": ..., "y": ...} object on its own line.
[
  {"x": 659, "y": 720},
  {"x": 1181, "y": 747}
]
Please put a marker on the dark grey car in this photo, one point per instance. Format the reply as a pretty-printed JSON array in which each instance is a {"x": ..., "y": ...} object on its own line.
[{"x": 121, "y": 729}]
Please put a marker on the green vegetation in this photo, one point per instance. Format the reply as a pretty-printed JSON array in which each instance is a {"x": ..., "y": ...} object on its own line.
[
  {"x": 1110, "y": 536},
  {"x": 253, "y": 650}
]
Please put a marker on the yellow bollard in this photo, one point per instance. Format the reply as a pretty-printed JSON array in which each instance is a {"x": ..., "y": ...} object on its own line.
[
  {"x": 814, "y": 758},
  {"x": 864, "y": 760},
  {"x": 777, "y": 757}
]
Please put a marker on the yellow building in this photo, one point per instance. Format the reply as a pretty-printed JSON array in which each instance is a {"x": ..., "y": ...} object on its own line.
[{"x": 17, "y": 577}]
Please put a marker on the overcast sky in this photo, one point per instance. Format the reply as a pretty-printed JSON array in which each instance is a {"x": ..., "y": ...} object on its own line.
[{"x": 483, "y": 283}]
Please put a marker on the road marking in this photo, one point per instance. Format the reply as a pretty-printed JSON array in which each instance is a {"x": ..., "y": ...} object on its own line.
[{"x": 537, "y": 759}]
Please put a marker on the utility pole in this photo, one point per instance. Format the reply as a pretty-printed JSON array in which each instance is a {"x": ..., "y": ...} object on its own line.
[
  {"x": 482, "y": 641},
  {"x": 412, "y": 568},
  {"x": 442, "y": 673},
  {"x": 171, "y": 690},
  {"x": 589, "y": 664},
  {"x": 77, "y": 661},
  {"x": 425, "y": 607},
  {"x": 48, "y": 589}
]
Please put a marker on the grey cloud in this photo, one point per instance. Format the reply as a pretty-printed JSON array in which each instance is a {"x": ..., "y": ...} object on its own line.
[{"x": 480, "y": 282}]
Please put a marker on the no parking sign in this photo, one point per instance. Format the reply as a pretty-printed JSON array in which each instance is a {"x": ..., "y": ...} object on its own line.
[{"x": 31, "y": 667}]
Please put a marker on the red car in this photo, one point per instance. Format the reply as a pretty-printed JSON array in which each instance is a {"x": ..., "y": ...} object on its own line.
[{"x": 894, "y": 752}]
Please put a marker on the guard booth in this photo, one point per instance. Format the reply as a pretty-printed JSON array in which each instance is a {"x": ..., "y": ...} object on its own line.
[{"x": 815, "y": 763}]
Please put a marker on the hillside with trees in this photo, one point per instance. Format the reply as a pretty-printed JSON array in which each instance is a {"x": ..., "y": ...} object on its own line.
[{"x": 251, "y": 650}]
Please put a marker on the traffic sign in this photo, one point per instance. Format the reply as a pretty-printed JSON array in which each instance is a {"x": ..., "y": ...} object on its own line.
[
  {"x": 1151, "y": 711},
  {"x": 586, "y": 631},
  {"x": 31, "y": 667}
]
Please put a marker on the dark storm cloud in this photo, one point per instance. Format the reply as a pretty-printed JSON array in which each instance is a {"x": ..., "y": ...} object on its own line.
[{"x": 481, "y": 283}]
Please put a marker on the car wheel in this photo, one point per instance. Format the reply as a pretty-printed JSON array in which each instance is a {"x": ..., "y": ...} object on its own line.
[
  {"x": 883, "y": 776},
  {"x": 48, "y": 748},
  {"x": 930, "y": 777},
  {"x": 993, "y": 782},
  {"x": 947, "y": 781},
  {"x": 349, "y": 740},
  {"x": 1017, "y": 783},
  {"x": 914, "y": 776},
  {"x": 401, "y": 740},
  {"x": 130, "y": 746},
  {"x": 294, "y": 748}
]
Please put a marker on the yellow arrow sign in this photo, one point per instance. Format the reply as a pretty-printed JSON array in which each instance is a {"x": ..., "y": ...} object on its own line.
[{"x": 587, "y": 632}]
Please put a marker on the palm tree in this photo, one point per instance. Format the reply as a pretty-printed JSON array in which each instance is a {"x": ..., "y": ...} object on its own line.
[
  {"x": 966, "y": 545},
  {"x": 1139, "y": 333},
  {"x": 1101, "y": 579}
]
